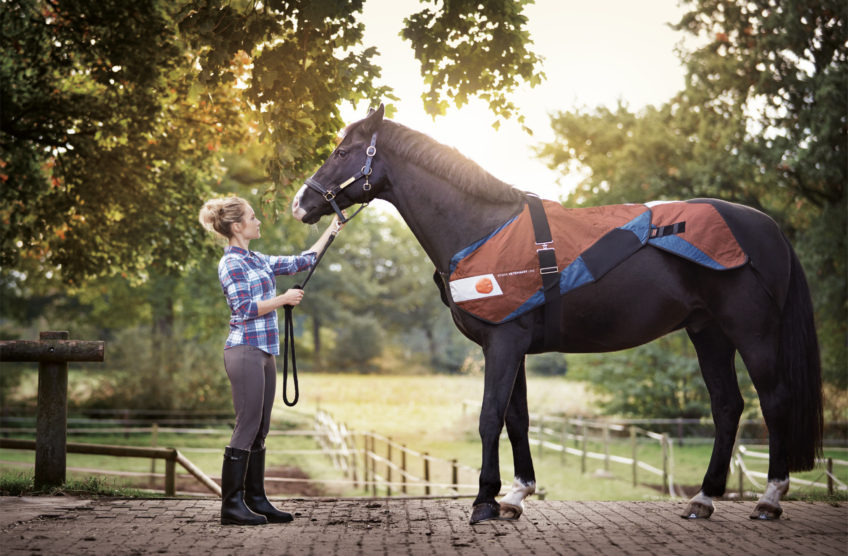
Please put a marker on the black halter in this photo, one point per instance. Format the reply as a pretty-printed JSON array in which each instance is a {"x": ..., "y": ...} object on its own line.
[{"x": 329, "y": 194}]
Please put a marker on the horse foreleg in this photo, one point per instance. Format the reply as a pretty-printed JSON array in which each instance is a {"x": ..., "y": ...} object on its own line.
[
  {"x": 502, "y": 363},
  {"x": 518, "y": 427}
]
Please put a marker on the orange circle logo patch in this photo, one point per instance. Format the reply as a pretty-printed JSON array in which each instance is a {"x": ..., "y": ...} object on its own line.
[{"x": 484, "y": 285}]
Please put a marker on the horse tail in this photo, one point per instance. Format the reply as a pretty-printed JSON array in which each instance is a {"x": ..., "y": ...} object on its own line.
[{"x": 799, "y": 353}]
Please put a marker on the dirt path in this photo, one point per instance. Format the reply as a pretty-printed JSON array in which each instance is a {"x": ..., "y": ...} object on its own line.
[{"x": 413, "y": 526}]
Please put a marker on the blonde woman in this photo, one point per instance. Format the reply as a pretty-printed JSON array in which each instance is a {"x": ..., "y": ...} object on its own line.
[{"x": 248, "y": 280}]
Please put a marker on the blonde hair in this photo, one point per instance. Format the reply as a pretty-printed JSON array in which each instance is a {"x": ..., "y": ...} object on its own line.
[{"x": 219, "y": 215}]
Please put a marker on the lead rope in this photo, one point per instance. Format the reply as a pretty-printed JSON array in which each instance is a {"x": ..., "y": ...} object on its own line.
[{"x": 289, "y": 332}]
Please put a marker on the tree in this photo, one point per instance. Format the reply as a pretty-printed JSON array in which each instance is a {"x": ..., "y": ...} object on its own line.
[
  {"x": 763, "y": 121},
  {"x": 114, "y": 113},
  {"x": 105, "y": 145}
]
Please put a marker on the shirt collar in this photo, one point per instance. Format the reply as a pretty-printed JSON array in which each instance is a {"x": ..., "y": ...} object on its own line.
[{"x": 237, "y": 250}]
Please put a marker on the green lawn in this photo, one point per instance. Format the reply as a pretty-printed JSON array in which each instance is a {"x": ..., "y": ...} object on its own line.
[{"x": 429, "y": 414}]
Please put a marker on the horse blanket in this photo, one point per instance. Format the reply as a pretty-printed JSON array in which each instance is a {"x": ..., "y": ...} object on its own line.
[{"x": 498, "y": 277}]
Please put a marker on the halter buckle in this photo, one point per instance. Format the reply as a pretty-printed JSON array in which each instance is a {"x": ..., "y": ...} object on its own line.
[
  {"x": 371, "y": 150},
  {"x": 329, "y": 196}
]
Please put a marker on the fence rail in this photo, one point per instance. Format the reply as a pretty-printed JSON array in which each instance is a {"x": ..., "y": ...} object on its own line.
[
  {"x": 577, "y": 431},
  {"x": 832, "y": 485},
  {"x": 171, "y": 456},
  {"x": 378, "y": 464},
  {"x": 381, "y": 466}
]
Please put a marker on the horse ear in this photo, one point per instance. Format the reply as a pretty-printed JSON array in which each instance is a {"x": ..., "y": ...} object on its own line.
[{"x": 374, "y": 118}]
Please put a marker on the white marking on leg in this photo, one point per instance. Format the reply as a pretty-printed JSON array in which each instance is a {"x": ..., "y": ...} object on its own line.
[
  {"x": 519, "y": 491},
  {"x": 774, "y": 490}
]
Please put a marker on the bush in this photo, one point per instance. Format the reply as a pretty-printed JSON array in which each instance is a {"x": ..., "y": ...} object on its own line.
[
  {"x": 547, "y": 364},
  {"x": 359, "y": 341},
  {"x": 147, "y": 372}
]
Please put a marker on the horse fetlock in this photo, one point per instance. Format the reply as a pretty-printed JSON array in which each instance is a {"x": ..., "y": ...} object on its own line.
[
  {"x": 700, "y": 507},
  {"x": 768, "y": 507},
  {"x": 512, "y": 504}
]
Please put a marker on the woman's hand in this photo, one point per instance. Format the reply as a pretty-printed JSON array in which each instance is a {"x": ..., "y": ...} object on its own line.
[
  {"x": 336, "y": 225},
  {"x": 292, "y": 297}
]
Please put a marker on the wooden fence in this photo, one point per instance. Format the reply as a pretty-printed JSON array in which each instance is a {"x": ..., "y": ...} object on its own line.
[
  {"x": 171, "y": 456},
  {"x": 563, "y": 430},
  {"x": 380, "y": 466},
  {"x": 52, "y": 352},
  {"x": 743, "y": 472}
]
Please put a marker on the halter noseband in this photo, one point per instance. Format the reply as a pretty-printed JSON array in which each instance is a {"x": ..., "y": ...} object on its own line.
[{"x": 330, "y": 194}]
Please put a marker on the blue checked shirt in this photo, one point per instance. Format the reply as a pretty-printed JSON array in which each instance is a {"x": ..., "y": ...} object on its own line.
[{"x": 247, "y": 277}]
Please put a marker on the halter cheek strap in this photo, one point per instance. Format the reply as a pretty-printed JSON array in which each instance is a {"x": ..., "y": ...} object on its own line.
[{"x": 330, "y": 194}]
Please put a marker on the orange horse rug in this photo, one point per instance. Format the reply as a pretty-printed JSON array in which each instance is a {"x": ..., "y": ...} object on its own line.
[{"x": 498, "y": 277}]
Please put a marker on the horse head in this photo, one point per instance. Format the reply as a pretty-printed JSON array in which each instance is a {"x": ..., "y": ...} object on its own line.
[{"x": 352, "y": 174}]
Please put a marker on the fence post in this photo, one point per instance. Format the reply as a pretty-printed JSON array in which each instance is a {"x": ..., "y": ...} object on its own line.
[
  {"x": 633, "y": 453},
  {"x": 455, "y": 476},
  {"x": 564, "y": 439},
  {"x": 830, "y": 476},
  {"x": 171, "y": 476},
  {"x": 349, "y": 440},
  {"x": 664, "y": 444},
  {"x": 741, "y": 475},
  {"x": 389, "y": 467},
  {"x": 365, "y": 469},
  {"x": 51, "y": 419},
  {"x": 606, "y": 447},
  {"x": 583, "y": 456},
  {"x": 403, "y": 467},
  {"x": 541, "y": 434},
  {"x": 426, "y": 458},
  {"x": 154, "y": 441},
  {"x": 371, "y": 454}
]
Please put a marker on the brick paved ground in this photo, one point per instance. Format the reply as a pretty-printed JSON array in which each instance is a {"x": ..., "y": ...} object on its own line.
[{"x": 413, "y": 527}]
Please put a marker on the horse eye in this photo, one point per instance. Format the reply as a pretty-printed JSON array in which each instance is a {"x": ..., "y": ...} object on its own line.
[{"x": 342, "y": 153}]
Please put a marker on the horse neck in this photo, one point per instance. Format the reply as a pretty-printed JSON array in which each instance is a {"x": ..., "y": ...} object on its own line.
[{"x": 442, "y": 217}]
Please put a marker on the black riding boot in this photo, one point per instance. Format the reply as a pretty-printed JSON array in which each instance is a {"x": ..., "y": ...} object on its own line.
[
  {"x": 233, "y": 509},
  {"x": 254, "y": 490}
]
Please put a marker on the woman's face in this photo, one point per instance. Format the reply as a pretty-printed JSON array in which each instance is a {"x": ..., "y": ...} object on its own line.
[{"x": 250, "y": 224}]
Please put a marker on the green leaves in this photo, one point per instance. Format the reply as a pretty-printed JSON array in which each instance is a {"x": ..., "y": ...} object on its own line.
[
  {"x": 763, "y": 121},
  {"x": 469, "y": 48}
]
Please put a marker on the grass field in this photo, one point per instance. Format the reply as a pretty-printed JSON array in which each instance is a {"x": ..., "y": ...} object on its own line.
[{"x": 433, "y": 414}]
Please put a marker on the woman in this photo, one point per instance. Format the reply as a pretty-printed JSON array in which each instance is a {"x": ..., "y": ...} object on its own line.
[{"x": 247, "y": 278}]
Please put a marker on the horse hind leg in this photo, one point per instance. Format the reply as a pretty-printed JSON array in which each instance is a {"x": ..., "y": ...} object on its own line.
[
  {"x": 518, "y": 429},
  {"x": 759, "y": 350},
  {"x": 716, "y": 354},
  {"x": 775, "y": 402}
]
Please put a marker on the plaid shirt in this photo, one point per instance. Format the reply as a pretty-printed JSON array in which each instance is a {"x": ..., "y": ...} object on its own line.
[{"x": 247, "y": 277}]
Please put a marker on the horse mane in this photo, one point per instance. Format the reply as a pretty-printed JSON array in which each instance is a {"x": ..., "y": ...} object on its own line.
[{"x": 446, "y": 162}]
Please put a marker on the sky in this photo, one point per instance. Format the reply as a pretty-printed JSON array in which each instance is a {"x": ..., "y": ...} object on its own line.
[{"x": 596, "y": 52}]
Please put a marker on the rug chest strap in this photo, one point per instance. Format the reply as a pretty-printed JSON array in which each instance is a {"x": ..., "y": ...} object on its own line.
[{"x": 548, "y": 268}]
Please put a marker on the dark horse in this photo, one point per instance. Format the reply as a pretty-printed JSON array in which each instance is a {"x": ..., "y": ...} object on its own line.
[{"x": 761, "y": 309}]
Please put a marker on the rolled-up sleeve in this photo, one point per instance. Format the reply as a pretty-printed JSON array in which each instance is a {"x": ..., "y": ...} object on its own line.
[
  {"x": 291, "y": 264},
  {"x": 237, "y": 289}
]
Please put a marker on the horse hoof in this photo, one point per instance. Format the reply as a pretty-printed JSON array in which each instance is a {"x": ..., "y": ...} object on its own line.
[
  {"x": 484, "y": 512},
  {"x": 766, "y": 512},
  {"x": 511, "y": 511},
  {"x": 697, "y": 511}
]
